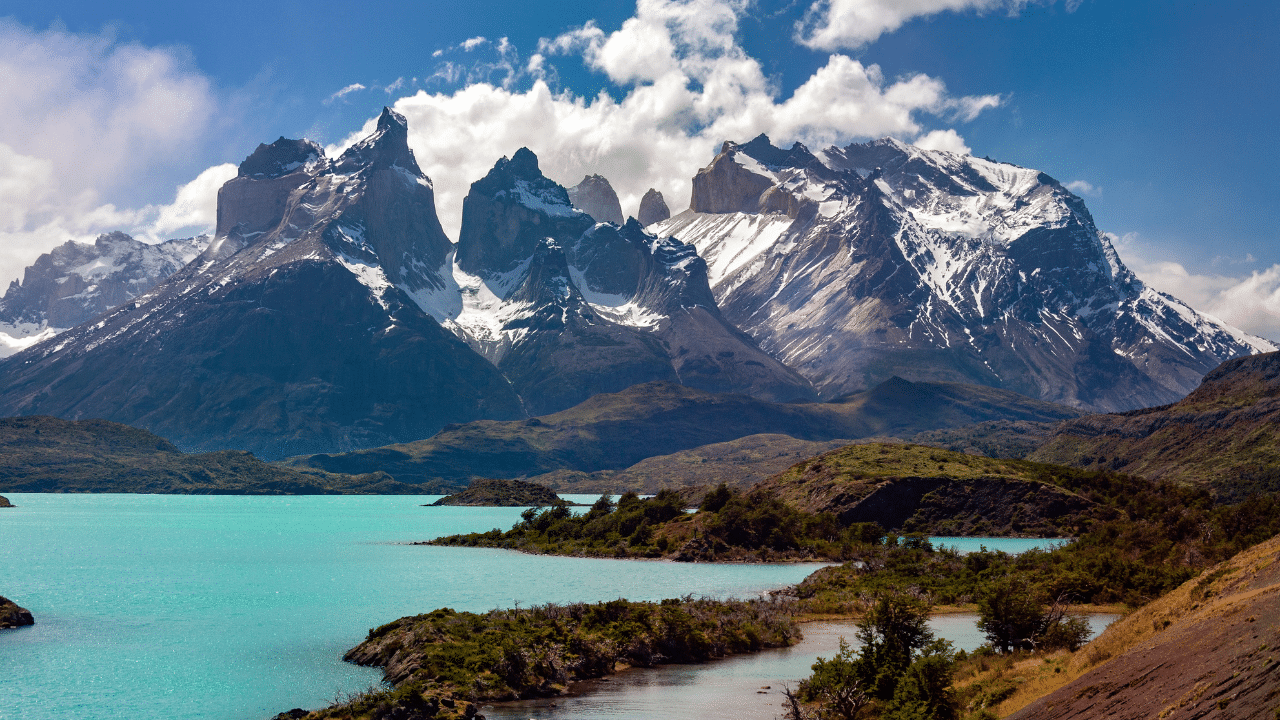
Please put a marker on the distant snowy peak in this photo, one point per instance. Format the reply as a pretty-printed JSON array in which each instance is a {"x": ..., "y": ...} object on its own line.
[
  {"x": 75, "y": 282},
  {"x": 883, "y": 258}
]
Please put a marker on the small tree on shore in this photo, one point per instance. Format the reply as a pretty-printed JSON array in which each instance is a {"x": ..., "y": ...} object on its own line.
[{"x": 1015, "y": 616}]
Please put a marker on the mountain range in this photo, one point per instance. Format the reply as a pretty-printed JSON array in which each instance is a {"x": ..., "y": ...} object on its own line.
[
  {"x": 858, "y": 263},
  {"x": 331, "y": 313}
]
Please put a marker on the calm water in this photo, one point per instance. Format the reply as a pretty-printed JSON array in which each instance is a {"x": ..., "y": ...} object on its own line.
[
  {"x": 748, "y": 687},
  {"x": 171, "y": 606}
]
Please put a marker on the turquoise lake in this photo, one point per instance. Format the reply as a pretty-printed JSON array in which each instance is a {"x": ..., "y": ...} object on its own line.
[{"x": 174, "y": 606}]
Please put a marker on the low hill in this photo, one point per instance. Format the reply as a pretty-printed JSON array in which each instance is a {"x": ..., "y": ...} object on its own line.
[
  {"x": 617, "y": 430},
  {"x": 502, "y": 493},
  {"x": 1224, "y": 435},
  {"x": 737, "y": 463},
  {"x": 45, "y": 454},
  {"x": 1209, "y": 649},
  {"x": 916, "y": 488}
]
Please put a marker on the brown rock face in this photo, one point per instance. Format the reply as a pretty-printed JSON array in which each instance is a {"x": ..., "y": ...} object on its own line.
[
  {"x": 12, "y": 616},
  {"x": 652, "y": 208},
  {"x": 724, "y": 186},
  {"x": 1205, "y": 650},
  {"x": 4, "y": 502},
  {"x": 595, "y": 197}
]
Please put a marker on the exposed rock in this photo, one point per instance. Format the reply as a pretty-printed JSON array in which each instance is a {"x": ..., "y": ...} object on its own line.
[
  {"x": 883, "y": 259},
  {"x": 12, "y": 616},
  {"x": 567, "y": 308},
  {"x": 652, "y": 208},
  {"x": 501, "y": 493},
  {"x": 1205, "y": 650},
  {"x": 919, "y": 489},
  {"x": 595, "y": 197},
  {"x": 4, "y": 502}
]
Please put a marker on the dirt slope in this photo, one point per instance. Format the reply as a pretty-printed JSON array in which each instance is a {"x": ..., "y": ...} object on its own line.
[{"x": 1210, "y": 649}]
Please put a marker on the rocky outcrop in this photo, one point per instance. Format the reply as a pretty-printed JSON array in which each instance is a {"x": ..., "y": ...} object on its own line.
[
  {"x": 653, "y": 208},
  {"x": 920, "y": 489},
  {"x": 4, "y": 502},
  {"x": 858, "y": 263},
  {"x": 12, "y": 616},
  {"x": 595, "y": 197},
  {"x": 1205, "y": 650}
]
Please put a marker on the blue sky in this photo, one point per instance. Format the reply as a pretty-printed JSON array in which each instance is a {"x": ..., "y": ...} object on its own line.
[{"x": 1161, "y": 114}]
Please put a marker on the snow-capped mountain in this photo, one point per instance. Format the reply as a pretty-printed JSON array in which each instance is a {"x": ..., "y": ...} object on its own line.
[
  {"x": 293, "y": 332},
  {"x": 76, "y": 281},
  {"x": 567, "y": 307},
  {"x": 883, "y": 259}
]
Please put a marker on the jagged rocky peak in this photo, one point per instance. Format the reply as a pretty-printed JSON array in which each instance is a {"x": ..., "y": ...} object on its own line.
[
  {"x": 509, "y": 211},
  {"x": 280, "y": 158},
  {"x": 757, "y": 177},
  {"x": 372, "y": 205},
  {"x": 388, "y": 146},
  {"x": 595, "y": 197},
  {"x": 653, "y": 208}
]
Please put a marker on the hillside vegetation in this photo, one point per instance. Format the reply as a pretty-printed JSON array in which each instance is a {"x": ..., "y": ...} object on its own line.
[
  {"x": 1225, "y": 435},
  {"x": 44, "y": 454},
  {"x": 501, "y": 493},
  {"x": 617, "y": 430}
]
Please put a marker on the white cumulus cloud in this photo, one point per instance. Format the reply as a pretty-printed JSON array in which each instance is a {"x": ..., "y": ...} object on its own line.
[
  {"x": 1083, "y": 187},
  {"x": 87, "y": 121},
  {"x": 836, "y": 24},
  {"x": 948, "y": 140},
  {"x": 686, "y": 86},
  {"x": 1249, "y": 302}
]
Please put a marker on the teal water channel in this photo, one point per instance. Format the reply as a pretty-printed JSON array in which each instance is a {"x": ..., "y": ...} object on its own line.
[{"x": 229, "y": 607}]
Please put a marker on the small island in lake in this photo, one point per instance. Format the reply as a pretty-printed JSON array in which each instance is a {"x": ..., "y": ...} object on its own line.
[
  {"x": 12, "y": 616},
  {"x": 4, "y": 502},
  {"x": 502, "y": 493}
]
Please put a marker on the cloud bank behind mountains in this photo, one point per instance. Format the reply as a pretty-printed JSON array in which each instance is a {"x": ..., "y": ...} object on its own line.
[{"x": 685, "y": 84}]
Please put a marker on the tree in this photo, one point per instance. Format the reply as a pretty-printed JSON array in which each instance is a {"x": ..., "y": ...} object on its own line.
[
  {"x": 838, "y": 684},
  {"x": 900, "y": 668},
  {"x": 1015, "y": 616}
]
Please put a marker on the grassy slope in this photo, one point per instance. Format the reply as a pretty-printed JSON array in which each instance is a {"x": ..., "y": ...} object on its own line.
[
  {"x": 44, "y": 454},
  {"x": 617, "y": 430},
  {"x": 1225, "y": 435},
  {"x": 919, "y": 488}
]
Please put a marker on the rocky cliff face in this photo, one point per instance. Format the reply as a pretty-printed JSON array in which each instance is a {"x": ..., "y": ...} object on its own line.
[
  {"x": 859, "y": 263},
  {"x": 75, "y": 282},
  {"x": 289, "y": 334},
  {"x": 595, "y": 197},
  {"x": 653, "y": 208},
  {"x": 567, "y": 307}
]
